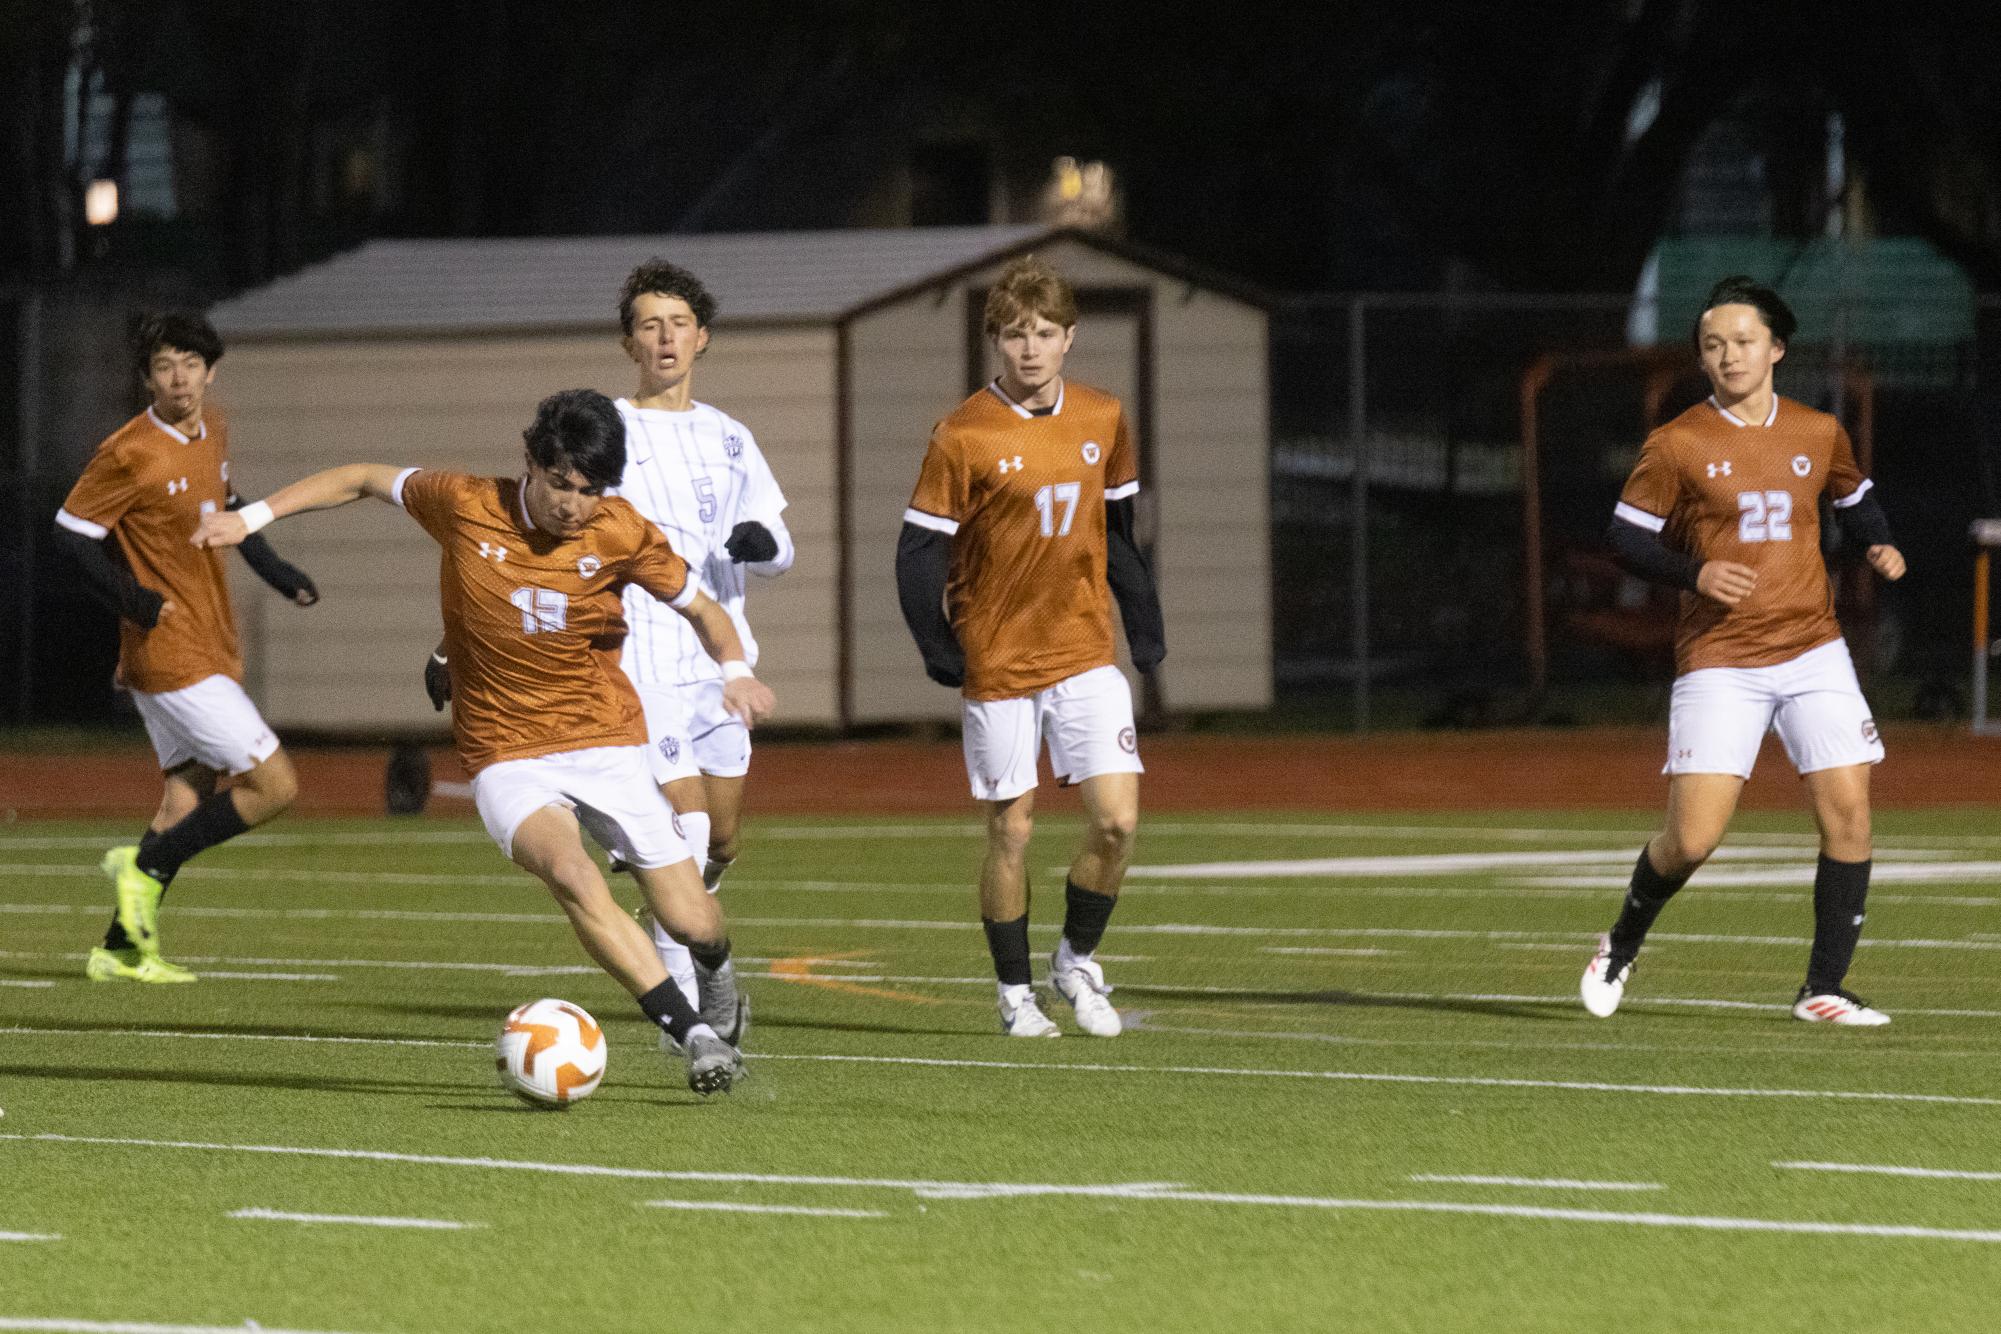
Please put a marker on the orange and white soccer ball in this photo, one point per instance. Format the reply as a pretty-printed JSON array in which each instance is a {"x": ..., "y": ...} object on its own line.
[{"x": 550, "y": 1052}]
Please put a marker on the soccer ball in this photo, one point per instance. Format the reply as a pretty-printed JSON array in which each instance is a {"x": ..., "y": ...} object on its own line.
[{"x": 550, "y": 1052}]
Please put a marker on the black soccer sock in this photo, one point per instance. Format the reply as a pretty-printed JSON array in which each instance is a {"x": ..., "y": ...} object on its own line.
[
  {"x": 711, "y": 955},
  {"x": 1645, "y": 897},
  {"x": 1008, "y": 943},
  {"x": 1839, "y": 890},
  {"x": 114, "y": 935},
  {"x": 667, "y": 1007},
  {"x": 1085, "y": 913},
  {"x": 215, "y": 820}
]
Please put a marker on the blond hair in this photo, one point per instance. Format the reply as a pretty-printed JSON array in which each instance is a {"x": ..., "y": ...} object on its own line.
[{"x": 1026, "y": 289}]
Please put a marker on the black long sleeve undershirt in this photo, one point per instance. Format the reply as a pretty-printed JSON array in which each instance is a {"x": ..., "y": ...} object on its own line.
[
  {"x": 1641, "y": 553},
  {"x": 1131, "y": 579},
  {"x": 109, "y": 581},
  {"x": 923, "y": 566},
  {"x": 272, "y": 568},
  {"x": 1864, "y": 524}
]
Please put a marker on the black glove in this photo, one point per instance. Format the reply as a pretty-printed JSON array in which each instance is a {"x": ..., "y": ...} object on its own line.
[
  {"x": 751, "y": 542},
  {"x": 947, "y": 673},
  {"x": 297, "y": 584},
  {"x": 1146, "y": 656},
  {"x": 438, "y": 681}
]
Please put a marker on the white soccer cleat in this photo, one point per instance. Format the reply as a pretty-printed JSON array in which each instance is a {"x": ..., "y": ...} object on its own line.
[
  {"x": 1837, "y": 1007},
  {"x": 1603, "y": 986},
  {"x": 1021, "y": 1017},
  {"x": 1083, "y": 985}
]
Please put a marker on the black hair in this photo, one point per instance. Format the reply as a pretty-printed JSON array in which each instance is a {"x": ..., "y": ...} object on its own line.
[
  {"x": 580, "y": 430},
  {"x": 1739, "y": 290},
  {"x": 659, "y": 278},
  {"x": 183, "y": 331}
]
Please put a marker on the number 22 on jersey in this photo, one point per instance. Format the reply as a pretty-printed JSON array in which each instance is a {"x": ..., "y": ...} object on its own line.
[{"x": 1764, "y": 516}]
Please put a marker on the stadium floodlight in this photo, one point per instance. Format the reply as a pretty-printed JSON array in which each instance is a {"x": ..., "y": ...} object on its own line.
[{"x": 100, "y": 203}]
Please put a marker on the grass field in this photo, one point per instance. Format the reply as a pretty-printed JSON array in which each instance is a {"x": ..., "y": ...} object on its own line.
[{"x": 1356, "y": 1094}]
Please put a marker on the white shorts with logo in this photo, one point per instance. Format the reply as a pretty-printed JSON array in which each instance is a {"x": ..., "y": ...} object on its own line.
[
  {"x": 608, "y": 787},
  {"x": 1719, "y": 715},
  {"x": 689, "y": 732},
  {"x": 211, "y": 723},
  {"x": 1087, "y": 720}
]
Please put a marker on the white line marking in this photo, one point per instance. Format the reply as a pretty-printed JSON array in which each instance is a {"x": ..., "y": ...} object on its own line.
[
  {"x": 1534, "y": 1183},
  {"x": 210, "y": 975},
  {"x": 64, "y": 1326},
  {"x": 358, "y": 1220},
  {"x": 1463, "y": 863},
  {"x": 154, "y": 1033},
  {"x": 30, "y": 1236},
  {"x": 1882, "y": 873},
  {"x": 800, "y": 1210},
  {"x": 24, "y": 982},
  {"x": 1319, "y": 951},
  {"x": 1873, "y": 1169}
]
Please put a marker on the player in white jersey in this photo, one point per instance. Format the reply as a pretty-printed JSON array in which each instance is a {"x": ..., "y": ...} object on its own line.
[{"x": 697, "y": 475}]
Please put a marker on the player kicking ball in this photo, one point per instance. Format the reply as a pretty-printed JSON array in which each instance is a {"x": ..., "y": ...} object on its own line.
[
  {"x": 1018, "y": 534},
  {"x": 144, "y": 491},
  {"x": 543, "y": 719},
  {"x": 1724, "y": 504}
]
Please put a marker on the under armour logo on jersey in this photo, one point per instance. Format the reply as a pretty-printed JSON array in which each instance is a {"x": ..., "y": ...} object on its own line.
[
  {"x": 589, "y": 566},
  {"x": 733, "y": 445},
  {"x": 1722, "y": 468},
  {"x": 178, "y": 485},
  {"x": 1091, "y": 451},
  {"x": 488, "y": 551},
  {"x": 1802, "y": 465},
  {"x": 1006, "y": 464}
]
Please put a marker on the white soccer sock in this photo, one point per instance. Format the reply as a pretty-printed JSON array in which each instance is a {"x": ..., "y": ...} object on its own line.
[
  {"x": 680, "y": 964},
  {"x": 1066, "y": 957},
  {"x": 713, "y": 871},
  {"x": 695, "y": 832}
]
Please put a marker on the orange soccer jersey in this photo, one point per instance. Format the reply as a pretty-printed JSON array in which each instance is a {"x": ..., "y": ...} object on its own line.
[
  {"x": 534, "y": 622},
  {"x": 1023, "y": 495},
  {"x": 148, "y": 486},
  {"x": 1719, "y": 488}
]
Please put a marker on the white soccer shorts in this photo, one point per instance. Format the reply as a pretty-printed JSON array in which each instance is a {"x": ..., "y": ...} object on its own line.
[
  {"x": 1087, "y": 720},
  {"x": 1719, "y": 715},
  {"x": 610, "y": 789},
  {"x": 690, "y": 732},
  {"x": 211, "y": 722}
]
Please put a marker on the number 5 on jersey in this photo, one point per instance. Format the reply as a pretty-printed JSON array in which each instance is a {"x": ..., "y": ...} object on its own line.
[
  {"x": 1764, "y": 516},
  {"x": 1046, "y": 500}
]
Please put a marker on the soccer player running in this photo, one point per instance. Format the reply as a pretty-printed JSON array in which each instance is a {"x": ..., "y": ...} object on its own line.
[
  {"x": 1724, "y": 504},
  {"x": 126, "y": 524},
  {"x": 544, "y": 720},
  {"x": 1019, "y": 532}
]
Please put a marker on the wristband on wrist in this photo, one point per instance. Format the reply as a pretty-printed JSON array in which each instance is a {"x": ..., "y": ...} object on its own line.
[
  {"x": 736, "y": 669},
  {"x": 257, "y": 514},
  {"x": 438, "y": 658}
]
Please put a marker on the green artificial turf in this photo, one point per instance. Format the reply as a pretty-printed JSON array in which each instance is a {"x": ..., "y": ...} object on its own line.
[{"x": 1301, "y": 1047}]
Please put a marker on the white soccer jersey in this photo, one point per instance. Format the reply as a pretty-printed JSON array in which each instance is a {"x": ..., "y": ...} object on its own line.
[{"x": 696, "y": 475}]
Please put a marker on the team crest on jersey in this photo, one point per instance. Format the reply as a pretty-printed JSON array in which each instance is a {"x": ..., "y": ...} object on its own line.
[
  {"x": 1802, "y": 465},
  {"x": 733, "y": 445},
  {"x": 1869, "y": 733},
  {"x": 1091, "y": 451},
  {"x": 670, "y": 750},
  {"x": 1128, "y": 742},
  {"x": 589, "y": 566}
]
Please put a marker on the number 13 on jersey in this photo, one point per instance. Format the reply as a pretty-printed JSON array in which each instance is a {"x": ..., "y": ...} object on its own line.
[{"x": 1048, "y": 498}]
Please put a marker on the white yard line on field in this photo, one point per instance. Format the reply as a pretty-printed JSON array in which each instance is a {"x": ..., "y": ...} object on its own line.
[
  {"x": 1468, "y": 863},
  {"x": 1882, "y": 873},
  {"x": 356, "y": 1220},
  {"x": 31, "y": 1236},
  {"x": 730, "y": 1207},
  {"x": 24, "y": 982},
  {"x": 60, "y": 1325},
  {"x": 1147, "y": 1192},
  {"x": 1531, "y": 1183},
  {"x": 1879, "y": 1169}
]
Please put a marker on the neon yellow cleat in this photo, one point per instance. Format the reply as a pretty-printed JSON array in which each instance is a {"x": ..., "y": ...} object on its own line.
[
  {"x": 138, "y": 898},
  {"x": 131, "y": 966}
]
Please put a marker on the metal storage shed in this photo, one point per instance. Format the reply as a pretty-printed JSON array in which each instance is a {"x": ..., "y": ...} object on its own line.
[{"x": 838, "y": 349}]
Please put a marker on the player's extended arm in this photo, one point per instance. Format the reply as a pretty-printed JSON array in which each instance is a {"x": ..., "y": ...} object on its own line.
[
  {"x": 319, "y": 491},
  {"x": 108, "y": 581},
  {"x": 923, "y": 565},
  {"x": 1131, "y": 578},
  {"x": 765, "y": 545},
  {"x": 274, "y": 569},
  {"x": 743, "y": 694}
]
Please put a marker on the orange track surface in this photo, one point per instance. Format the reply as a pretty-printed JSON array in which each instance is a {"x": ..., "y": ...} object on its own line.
[{"x": 1608, "y": 768}]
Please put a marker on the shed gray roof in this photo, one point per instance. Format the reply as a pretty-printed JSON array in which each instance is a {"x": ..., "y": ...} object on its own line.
[{"x": 572, "y": 282}]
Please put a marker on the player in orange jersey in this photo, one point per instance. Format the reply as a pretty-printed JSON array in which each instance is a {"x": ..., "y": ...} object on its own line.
[
  {"x": 1018, "y": 534},
  {"x": 126, "y": 523},
  {"x": 1724, "y": 504},
  {"x": 547, "y": 724}
]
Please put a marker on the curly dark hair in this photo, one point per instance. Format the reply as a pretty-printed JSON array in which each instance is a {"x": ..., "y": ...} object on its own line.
[
  {"x": 1739, "y": 290},
  {"x": 183, "y": 331},
  {"x": 659, "y": 278},
  {"x": 579, "y": 429}
]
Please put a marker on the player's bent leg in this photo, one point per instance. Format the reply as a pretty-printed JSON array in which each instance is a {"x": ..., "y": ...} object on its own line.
[
  {"x": 725, "y": 799},
  {"x": 694, "y": 918},
  {"x": 267, "y": 790},
  {"x": 1840, "y": 798}
]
